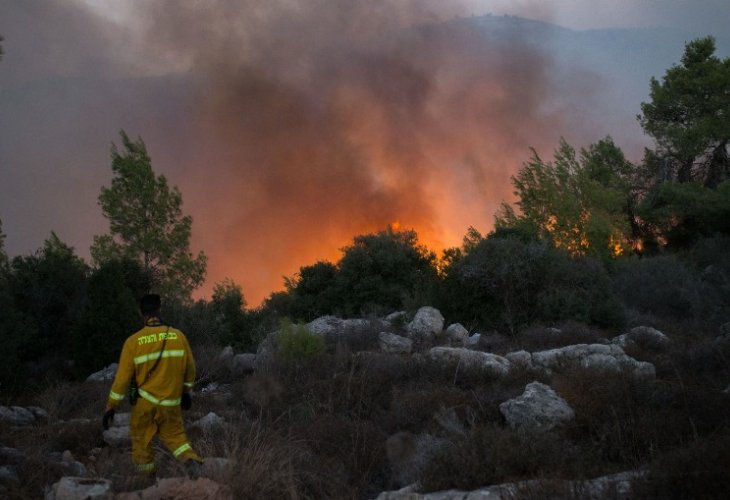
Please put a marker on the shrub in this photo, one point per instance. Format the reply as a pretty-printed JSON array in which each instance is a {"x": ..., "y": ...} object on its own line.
[
  {"x": 493, "y": 455},
  {"x": 296, "y": 342},
  {"x": 506, "y": 283},
  {"x": 697, "y": 471},
  {"x": 663, "y": 286}
]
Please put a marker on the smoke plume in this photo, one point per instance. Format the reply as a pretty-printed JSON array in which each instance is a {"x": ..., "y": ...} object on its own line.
[
  {"x": 322, "y": 120},
  {"x": 291, "y": 126}
]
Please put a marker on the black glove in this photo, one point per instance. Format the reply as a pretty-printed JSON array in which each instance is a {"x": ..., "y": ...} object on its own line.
[
  {"x": 186, "y": 401},
  {"x": 108, "y": 417}
]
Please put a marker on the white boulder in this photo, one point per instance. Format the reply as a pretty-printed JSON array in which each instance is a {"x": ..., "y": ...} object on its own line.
[
  {"x": 394, "y": 344},
  {"x": 467, "y": 358},
  {"x": 538, "y": 408},
  {"x": 427, "y": 323},
  {"x": 104, "y": 375},
  {"x": 457, "y": 334}
]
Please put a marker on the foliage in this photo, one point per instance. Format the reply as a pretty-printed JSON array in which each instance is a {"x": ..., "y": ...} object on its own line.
[
  {"x": 146, "y": 223},
  {"x": 678, "y": 287},
  {"x": 232, "y": 322},
  {"x": 4, "y": 262},
  {"x": 379, "y": 272},
  {"x": 314, "y": 291},
  {"x": 297, "y": 343},
  {"x": 581, "y": 204},
  {"x": 48, "y": 287},
  {"x": 110, "y": 316},
  {"x": 506, "y": 283},
  {"x": 678, "y": 214},
  {"x": 15, "y": 330},
  {"x": 687, "y": 116},
  {"x": 384, "y": 269}
]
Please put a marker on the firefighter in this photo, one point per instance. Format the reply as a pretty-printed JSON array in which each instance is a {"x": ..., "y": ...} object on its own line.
[{"x": 158, "y": 358}]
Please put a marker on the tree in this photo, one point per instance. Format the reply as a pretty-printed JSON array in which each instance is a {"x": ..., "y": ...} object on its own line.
[
  {"x": 506, "y": 283},
  {"x": 582, "y": 204},
  {"x": 109, "y": 317},
  {"x": 676, "y": 215},
  {"x": 3, "y": 256},
  {"x": 688, "y": 118},
  {"x": 230, "y": 319},
  {"x": 314, "y": 291},
  {"x": 49, "y": 288},
  {"x": 147, "y": 224},
  {"x": 385, "y": 270}
]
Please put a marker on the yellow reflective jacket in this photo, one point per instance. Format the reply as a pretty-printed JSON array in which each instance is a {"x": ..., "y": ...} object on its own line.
[{"x": 175, "y": 369}]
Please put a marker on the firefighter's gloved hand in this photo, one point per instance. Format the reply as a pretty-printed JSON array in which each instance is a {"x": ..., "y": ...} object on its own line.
[
  {"x": 108, "y": 417},
  {"x": 186, "y": 401}
]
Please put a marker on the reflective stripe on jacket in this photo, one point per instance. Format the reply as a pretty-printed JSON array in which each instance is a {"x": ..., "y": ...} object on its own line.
[{"x": 175, "y": 369}]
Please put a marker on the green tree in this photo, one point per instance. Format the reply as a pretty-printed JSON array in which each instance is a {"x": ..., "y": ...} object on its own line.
[
  {"x": 109, "y": 317},
  {"x": 49, "y": 288},
  {"x": 676, "y": 215},
  {"x": 688, "y": 118},
  {"x": 385, "y": 270},
  {"x": 581, "y": 203},
  {"x": 147, "y": 224},
  {"x": 229, "y": 312},
  {"x": 506, "y": 283},
  {"x": 4, "y": 262},
  {"x": 314, "y": 291}
]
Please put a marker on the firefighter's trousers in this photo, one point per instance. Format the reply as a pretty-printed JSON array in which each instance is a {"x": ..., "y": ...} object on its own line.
[{"x": 146, "y": 421}]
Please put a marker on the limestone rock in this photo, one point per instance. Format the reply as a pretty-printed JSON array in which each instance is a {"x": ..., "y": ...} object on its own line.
[
  {"x": 176, "y": 487},
  {"x": 427, "y": 323},
  {"x": 118, "y": 435},
  {"x": 104, "y": 375},
  {"x": 488, "y": 362},
  {"x": 326, "y": 325},
  {"x": 457, "y": 334},
  {"x": 226, "y": 355},
  {"x": 473, "y": 340},
  {"x": 520, "y": 358},
  {"x": 210, "y": 423},
  {"x": 244, "y": 363},
  {"x": 81, "y": 488},
  {"x": 616, "y": 486},
  {"x": 610, "y": 358},
  {"x": 538, "y": 408},
  {"x": 642, "y": 335},
  {"x": 17, "y": 416},
  {"x": 394, "y": 344},
  {"x": 397, "y": 318}
]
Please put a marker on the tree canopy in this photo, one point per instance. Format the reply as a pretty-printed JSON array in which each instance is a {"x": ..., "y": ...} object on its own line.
[
  {"x": 582, "y": 203},
  {"x": 688, "y": 117},
  {"x": 146, "y": 223}
]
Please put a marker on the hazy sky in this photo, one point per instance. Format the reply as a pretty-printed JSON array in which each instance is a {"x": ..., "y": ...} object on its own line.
[{"x": 292, "y": 125}]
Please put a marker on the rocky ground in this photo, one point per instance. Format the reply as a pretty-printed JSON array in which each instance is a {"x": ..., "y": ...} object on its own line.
[{"x": 401, "y": 408}]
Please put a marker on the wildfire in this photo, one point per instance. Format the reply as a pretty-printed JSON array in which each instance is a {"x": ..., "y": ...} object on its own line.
[{"x": 574, "y": 239}]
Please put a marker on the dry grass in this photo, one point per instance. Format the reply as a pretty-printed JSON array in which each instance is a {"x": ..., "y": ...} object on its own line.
[{"x": 318, "y": 428}]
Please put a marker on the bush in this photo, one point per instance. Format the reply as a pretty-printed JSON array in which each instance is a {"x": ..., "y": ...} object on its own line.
[
  {"x": 663, "y": 286},
  {"x": 697, "y": 471},
  {"x": 493, "y": 455},
  {"x": 507, "y": 283},
  {"x": 297, "y": 343}
]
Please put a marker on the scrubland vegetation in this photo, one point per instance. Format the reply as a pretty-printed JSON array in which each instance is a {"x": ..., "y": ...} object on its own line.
[{"x": 595, "y": 246}]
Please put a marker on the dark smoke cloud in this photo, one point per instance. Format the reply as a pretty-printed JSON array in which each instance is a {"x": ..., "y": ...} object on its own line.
[
  {"x": 322, "y": 120},
  {"x": 295, "y": 125}
]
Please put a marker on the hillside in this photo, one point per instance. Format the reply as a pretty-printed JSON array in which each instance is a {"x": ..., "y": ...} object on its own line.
[{"x": 406, "y": 404}]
